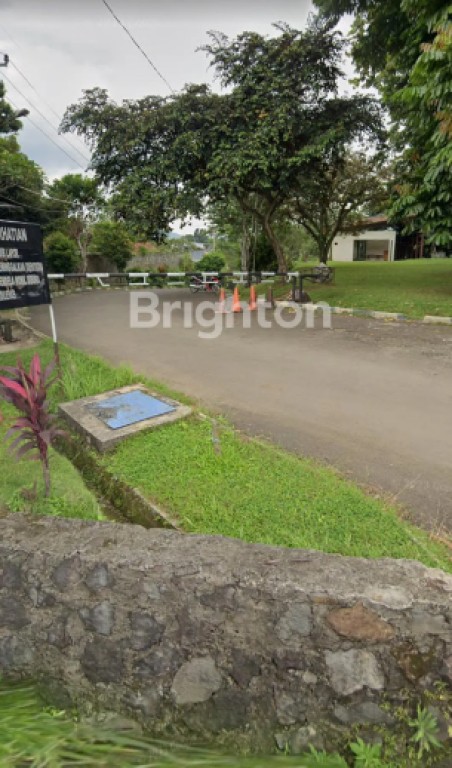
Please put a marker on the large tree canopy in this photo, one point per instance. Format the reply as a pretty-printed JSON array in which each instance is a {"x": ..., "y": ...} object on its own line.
[
  {"x": 404, "y": 48},
  {"x": 256, "y": 143}
]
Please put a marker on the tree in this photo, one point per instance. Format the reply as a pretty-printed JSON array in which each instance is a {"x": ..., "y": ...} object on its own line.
[
  {"x": 424, "y": 197},
  {"x": 61, "y": 253},
  {"x": 254, "y": 144},
  {"x": 21, "y": 184},
  {"x": 338, "y": 196},
  {"x": 237, "y": 227},
  {"x": 9, "y": 122},
  {"x": 404, "y": 48},
  {"x": 287, "y": 116},
  {"x": 80, "y": 198},
  {"x": 111, "y": 240},
  {"x": 21, "y": 180}
]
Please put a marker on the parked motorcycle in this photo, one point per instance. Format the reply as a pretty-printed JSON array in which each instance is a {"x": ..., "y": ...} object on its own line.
[{"x": 208, "y": 284}]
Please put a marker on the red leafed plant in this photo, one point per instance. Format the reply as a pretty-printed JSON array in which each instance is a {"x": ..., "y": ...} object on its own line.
[{"x": 35, "y": 429}]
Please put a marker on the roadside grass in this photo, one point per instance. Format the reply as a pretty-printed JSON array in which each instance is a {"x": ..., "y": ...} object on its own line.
[
  {"x": 256, "y": 492},
  {"x": 414, "y": 287},
  {"x": 22, "y": 486},
  {"x": 238, "y": 487}
]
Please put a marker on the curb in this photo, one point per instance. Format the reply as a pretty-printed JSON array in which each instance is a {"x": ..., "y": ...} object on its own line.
[
  {"x": 437, "y": 320},
  {"x": 377, "y": 314},
  {"x": 374, "y": 313}
]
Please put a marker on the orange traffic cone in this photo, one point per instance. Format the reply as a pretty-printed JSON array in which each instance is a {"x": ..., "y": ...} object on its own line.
[
  {"x": 252, "y": 303},
  {"x": 236, "y": 306},
  {"x": 222, "y": 303}
]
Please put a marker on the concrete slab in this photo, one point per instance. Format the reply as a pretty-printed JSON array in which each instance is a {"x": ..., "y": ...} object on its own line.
[{"x": 107, "y": 419}]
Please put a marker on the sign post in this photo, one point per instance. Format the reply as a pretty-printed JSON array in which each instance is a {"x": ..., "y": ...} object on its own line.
[{"x": 23, "y": 274}]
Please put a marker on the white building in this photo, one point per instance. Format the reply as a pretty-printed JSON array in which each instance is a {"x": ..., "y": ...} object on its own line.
[{"x": 375, "y": 243}]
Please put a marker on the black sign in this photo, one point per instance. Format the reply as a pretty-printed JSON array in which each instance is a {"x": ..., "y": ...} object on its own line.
[{"x": 23, "y": 277}]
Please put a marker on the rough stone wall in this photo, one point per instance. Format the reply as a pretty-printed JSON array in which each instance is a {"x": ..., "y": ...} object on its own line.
[{"x": 202, "y": 635}]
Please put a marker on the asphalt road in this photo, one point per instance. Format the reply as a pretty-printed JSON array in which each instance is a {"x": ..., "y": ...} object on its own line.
[{"x": 372, "y": 398}]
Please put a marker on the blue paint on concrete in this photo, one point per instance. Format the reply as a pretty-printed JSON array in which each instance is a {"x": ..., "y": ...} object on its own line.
[{"x": 129, "y": 408}]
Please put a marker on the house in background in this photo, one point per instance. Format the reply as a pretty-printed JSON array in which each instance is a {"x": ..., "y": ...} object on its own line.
[{"x": 377, "y": 241}]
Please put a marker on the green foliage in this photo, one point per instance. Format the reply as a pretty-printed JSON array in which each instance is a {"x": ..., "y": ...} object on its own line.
[
  {"x": 255, "y": 144},
  {"x": 79, "y": 201},
  {"x": 110, "y": 239},
  {"x": 330, "y": 513},
  {"x": 320, "y": 759},
  {"x": 366, "y": 755},
  {"x": 211, "y": 262},
  {"x": 186, "y": 264},
  {"x": 425, "y": 195},
  {"x": 338, "y": 195},
  {"x": 61, "y": 253},
  {"x": 22, "y": 486},
  {"x": 263, "y": 256},
  {"x": 34, "y": 430},
  {"x": 426, "y": 730},
  {"x": 48, "y": 737},
  {"x": 21, "y": 184},
  {"x": 77, "y": 192},
  {"x": 9, "y": 123},
  {"x": 404, "y": 48}
]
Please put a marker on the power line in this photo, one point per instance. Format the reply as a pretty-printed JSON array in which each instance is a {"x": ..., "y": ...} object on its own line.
[
  {"x": 137, "y": 45},
  {"x": 47, "y": 197},
  {"x": 34, "y": 89},
  {"x": 38, "y": 127},
  {"x": 33, "y": 106},
  {"x": 49, "y": 106},
  {"x": 28, "y": 205},
  {"x": 11, "y": 38}
]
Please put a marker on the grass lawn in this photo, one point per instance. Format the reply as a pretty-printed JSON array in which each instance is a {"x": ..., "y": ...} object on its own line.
[
  {"x": 414, "y": 287},
  {"x": 245, "y": 488},
  {"x": 69, "y": 496}
]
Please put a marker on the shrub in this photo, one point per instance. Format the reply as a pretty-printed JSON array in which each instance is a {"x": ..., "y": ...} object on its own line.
[
  {"x": 61, "y": 253},
  {"x": 111, "y": 241},
  {"x": 34, "y": 430},
  {"x": 211, "y": 262}
]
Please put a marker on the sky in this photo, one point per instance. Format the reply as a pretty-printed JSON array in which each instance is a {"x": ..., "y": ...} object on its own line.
[{"x": 65, "y": 46}]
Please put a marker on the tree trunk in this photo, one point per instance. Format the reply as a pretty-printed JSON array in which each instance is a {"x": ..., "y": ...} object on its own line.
[
  {"x": 275, "y": 244},
  {"x": 324, "y": 250},
  {"x": 83, "y": 248},
  {"x": 245, "y": 245}
]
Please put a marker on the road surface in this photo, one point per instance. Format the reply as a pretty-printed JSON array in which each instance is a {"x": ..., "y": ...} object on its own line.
[{"x": 372, "y": 398}]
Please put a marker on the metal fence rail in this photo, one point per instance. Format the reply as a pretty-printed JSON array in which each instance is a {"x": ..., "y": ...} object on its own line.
[{"x": 295, "y": 280}]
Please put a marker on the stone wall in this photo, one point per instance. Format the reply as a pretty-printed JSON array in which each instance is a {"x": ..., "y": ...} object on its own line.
[
  {"x": 204, "y": 635},
  {"x": 152, "y": 261}
]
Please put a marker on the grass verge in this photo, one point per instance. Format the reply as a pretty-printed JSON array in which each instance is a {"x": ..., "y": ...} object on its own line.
[
  {"x": 215, "y": 481},
  {"x": 22, "y": 486},
  {"x": 414, "y": 287}
]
